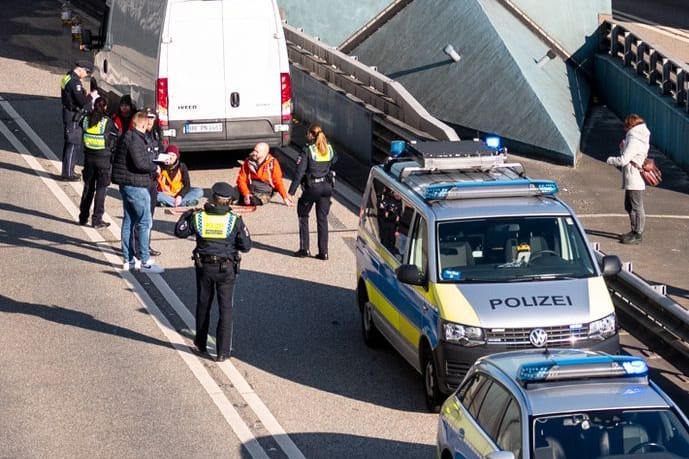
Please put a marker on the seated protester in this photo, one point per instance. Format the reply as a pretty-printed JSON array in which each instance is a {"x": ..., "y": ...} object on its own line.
[
  {"x": 174, "y": 184},
  {"x": 125, "y": 112},
  {"x": 259, "y": 178}
]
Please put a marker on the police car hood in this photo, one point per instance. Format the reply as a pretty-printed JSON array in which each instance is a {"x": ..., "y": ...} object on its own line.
[{"x": 535, "y": 303}]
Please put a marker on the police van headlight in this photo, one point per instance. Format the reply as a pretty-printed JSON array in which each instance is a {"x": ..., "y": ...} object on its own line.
[
  {"x": 464, "y": 335},
  {"x": 603, "y": 328}
]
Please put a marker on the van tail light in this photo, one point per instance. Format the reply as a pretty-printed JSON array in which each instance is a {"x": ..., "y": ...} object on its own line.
[
  {"x": 286, "y": 97},
  {"x": 162, "y": 102}
]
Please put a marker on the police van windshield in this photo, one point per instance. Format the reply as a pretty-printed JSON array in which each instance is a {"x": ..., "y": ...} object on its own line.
[{"x": 512, "y": 249}]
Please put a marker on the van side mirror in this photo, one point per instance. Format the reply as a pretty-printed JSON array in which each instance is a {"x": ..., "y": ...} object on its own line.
[
  {"x": 500, "y": 455},
  {"x": 611, "y": 265},
  {"x": 410, "y": 274}
]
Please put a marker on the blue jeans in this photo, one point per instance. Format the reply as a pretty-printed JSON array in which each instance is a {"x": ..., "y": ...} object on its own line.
[
  {"x": 194, "y": 194},
  {"x": 137, "y": 212}
]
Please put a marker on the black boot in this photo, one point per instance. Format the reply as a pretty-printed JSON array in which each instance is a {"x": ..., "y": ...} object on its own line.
[{"x": 635, "y": 238}]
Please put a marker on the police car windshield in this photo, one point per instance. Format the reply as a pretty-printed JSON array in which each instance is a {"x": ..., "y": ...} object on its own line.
[
  {"x": 656, "y": 433},
  {"x": 512, "y": 249}
]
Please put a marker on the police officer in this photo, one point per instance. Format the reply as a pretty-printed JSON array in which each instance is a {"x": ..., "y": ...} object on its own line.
[
  {"x": 220, "y": 233},
  {"x": 74, "y": 103},
  {"x": 317, "y": 180}
]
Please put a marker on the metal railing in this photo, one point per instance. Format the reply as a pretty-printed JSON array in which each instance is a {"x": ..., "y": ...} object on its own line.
[{"x": 651, "y": 63}]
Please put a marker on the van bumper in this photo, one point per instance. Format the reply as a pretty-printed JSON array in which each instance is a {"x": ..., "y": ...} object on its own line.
[
  {"x": 235, "y": 135},
  {"x": 454, "y": 360}
]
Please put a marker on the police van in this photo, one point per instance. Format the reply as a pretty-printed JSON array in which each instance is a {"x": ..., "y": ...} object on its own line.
[
  {"x": 216, "y": 71},
  {"x": 459, "y": 254}
]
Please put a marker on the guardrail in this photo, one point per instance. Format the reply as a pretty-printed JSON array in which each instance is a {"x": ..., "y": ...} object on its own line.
[
  {"x": 651, "y": 63},
  {"x": 645, "y": 309}
]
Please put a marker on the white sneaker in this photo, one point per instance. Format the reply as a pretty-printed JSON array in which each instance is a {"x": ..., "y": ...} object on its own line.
[
  {"x": 150, "y": 267},
  {"x": 134, "y": 264}
]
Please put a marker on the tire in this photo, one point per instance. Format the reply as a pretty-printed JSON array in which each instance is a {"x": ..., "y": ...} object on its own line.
[
  {"x": 371, "y": 334},
  {"x": 431, "y": 389}
]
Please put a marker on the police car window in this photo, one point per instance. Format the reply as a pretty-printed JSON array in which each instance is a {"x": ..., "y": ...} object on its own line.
[
  {"x": 510, "y": 249},
  {"x": 402, "y": 236},
  {"x": 510, "y": 433},
  {"x": 372, "y": 205},
  {"x": 418, "y": 248},
  {"x": 477, "y": 400},
  {"x": 492, "y": 410}
]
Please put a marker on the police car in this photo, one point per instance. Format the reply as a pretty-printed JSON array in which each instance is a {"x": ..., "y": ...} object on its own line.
[
  {"x": 460, "y": 255},
  {"x": 560, "y": 404}
]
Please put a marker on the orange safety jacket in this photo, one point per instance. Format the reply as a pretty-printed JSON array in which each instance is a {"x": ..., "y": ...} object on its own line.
[
  {"x": 269, "y": 172},
  {"x": 170, "y": 185}
]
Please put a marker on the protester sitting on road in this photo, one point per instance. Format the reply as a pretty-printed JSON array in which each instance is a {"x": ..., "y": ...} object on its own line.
[
  {"x": 100, "y": 137},
  {"x": 259, "y": 178},
  {"x": 125, "y": 112},
  {"x": 174, "y": 184}
]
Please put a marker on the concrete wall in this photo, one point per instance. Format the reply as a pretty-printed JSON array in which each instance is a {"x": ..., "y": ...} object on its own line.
[
  {"x": 346, "y": 121},
  {"x": 626, "y": 93}
]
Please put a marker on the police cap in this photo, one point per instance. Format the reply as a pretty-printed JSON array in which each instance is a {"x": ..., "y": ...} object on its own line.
[
  {"x": 222, "y": 190},
  {"x": 86, "y": 65}
]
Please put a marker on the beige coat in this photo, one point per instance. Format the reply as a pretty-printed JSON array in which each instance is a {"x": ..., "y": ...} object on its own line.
[{"x": 634, "y": 148}]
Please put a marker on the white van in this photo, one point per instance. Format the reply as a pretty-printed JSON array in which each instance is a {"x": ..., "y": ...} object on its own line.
[{"x": 215, "y": 70}]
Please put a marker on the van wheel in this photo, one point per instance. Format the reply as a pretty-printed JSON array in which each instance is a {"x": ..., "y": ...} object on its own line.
[
  {"x": 372, "y": 336},
  {"x": 430, "y": 381}
]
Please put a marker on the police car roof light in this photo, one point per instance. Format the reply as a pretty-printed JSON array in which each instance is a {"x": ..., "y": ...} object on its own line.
[
  {"x": 597, "y": 366},
  {"x": 397, "y": 147},
  {"x": 461, "y": 154},
  {"x": 493, "y": 142},
  {"x": 496, "y": 188}
]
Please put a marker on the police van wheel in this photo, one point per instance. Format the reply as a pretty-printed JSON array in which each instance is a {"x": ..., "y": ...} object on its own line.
[
  {"x": 372, "y": 336},
  {"x": 430, "y": 381}
]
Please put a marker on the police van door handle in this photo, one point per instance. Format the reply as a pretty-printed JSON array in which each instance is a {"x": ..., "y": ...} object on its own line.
[{"x": 234, "y": 99}]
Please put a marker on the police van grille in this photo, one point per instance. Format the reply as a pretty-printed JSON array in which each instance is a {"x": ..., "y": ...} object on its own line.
[
  {"x": 456, "y": 369},
  {"x": 518, "y": 338}
]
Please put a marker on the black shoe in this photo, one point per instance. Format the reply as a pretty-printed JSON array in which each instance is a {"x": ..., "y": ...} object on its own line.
[
  {"x": 200, "y": 349},
  {"x": 101, "y": 225},
  {"x": 222, "y": 358},
  {"x": 71, "y": 178},
  {"x": 83, "y": 222},
  {"x": 322, "y": 256},
  {"x": 635, "y": 238},
  {"x": 626, "y": 236},
  {"x": 301, "y": 253},
  {"x": 153, "y": 252}
]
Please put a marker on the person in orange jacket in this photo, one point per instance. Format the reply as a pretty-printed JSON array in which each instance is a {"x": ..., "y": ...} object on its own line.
[{"x": 260, "y": 177}]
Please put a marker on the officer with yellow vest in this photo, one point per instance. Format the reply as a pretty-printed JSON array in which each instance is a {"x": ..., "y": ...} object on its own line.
[
  {"x": 220, "y": 235},
  {"x": 74, "y": 103},
  {"x": 99, "y": 138},
  {"x": 317, "y": 180}
]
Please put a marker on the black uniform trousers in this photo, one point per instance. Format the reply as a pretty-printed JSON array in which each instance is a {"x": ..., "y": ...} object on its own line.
[
  {"x": 319, "y": 194},
  {"x": 97, "y": 169},
  {"x": 210, "y": 278},
  {"x": 73, "y": 142}
]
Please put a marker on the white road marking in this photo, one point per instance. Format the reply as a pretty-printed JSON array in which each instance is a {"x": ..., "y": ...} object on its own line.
[{"x": 252, "y": 399}]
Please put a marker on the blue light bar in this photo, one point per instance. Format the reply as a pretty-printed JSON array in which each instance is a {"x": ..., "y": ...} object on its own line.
[
  {"x": 493, "y": 142},
  {"x": 397, "y": 147},
  {"x": 495, "y": 188},
  {"x": 597, "y": 366}
]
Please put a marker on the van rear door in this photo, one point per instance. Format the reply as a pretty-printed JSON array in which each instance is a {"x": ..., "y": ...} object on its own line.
[
  {"x": 196, "y": 79},
  {"x": 252, "y": 67}
]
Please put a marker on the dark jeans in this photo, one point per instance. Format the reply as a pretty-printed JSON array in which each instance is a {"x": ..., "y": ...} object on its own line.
[
  {"x": 96, "y": 180},
  {"x": 73, "y": 145},
  {"x": 319, "y": 194},
  {"x": 634, "y": 205},
  {"x": 210, "y": 278}
]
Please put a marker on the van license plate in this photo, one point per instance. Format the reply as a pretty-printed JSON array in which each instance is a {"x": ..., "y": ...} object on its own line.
[{"x": 202, "y": 127}]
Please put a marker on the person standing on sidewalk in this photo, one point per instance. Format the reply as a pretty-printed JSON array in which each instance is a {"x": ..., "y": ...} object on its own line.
[
  {"x": 317, "y": 180},
  {"x": 633, "y": 151},
  {"x": 74, "y": 102},
  {"x": 100, "y": 137},
  {"x": 132, "y": 171},
  {"x": 220, "y": 235}
]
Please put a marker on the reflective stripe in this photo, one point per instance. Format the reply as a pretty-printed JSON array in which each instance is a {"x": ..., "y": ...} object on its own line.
[
  {"x": 94, "y": 136},
  {"x": 65, "y": 80},
  {"x": 214, "y": 226},
  {"x": 318, "y": 157}
]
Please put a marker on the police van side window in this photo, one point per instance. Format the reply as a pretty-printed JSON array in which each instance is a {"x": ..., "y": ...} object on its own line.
[
  {"x": 371, "y": 212},
  {"x": 418, "y": 247},
  {"x": 402, "y": 235}
]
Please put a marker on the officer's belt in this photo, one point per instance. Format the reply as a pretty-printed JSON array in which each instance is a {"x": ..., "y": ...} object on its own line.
[
  {"x": 213, "y": 259},
  {"x": 319, "y": 179}
]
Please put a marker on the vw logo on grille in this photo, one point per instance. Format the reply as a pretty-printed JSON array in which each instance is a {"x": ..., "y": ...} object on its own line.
[{"x": 538, "y": 337}]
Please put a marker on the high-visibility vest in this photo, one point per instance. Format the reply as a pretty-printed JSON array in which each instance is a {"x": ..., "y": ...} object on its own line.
[
  {"x": 170, "y": 185},
  {"x": 214, "y": 226},
  {"x": 65, "y": 79},
  {"x": 321, "y": 158},
  {"x": 94, "y": 136}
]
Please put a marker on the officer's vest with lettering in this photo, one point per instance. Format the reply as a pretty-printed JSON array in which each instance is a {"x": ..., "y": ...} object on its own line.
[
  {"x": 214, "y": 226},
  {"x": 319, "y": 164},
  {"x": 170, "y": 185},
  {"x": 94, "y": 136}
]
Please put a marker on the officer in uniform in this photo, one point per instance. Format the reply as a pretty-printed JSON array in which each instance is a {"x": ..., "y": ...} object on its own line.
[
  {"x": 220, "y": 234},
  {"x": 74, "y": 103},
  {"x": 317, "y": 180}
]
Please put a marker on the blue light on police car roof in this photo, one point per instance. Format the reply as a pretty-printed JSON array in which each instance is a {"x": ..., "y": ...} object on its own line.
[
  {"x": 397, "y": 147},
  {"x": 493, "y": 142},
  {"x": 598, "y": 366}
]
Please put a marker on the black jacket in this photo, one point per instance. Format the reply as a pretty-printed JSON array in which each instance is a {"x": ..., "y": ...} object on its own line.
[
  {"x": 307, "y": 168},
  {"x": 132, "y": 164},
  {"x": 238, "y": 239}
]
